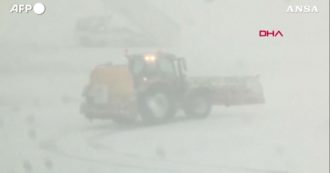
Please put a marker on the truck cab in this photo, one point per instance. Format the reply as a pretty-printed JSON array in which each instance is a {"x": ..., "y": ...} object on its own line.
[{"x": 161, "y": 69}]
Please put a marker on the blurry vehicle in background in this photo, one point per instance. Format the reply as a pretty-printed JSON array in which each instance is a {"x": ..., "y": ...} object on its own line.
[
  {"x": 139, "y": 24},
  {"x": 153, "y": 87},
  {"x": 109, "y": 30}
]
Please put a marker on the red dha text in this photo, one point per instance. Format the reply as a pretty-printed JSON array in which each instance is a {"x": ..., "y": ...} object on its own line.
[{"x": 273, "y": 33}]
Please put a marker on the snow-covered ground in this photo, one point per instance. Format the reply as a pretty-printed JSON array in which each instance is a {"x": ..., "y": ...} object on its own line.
[
  {"x": 42, "y": 74},
  {"x": 43, "y": 131}
]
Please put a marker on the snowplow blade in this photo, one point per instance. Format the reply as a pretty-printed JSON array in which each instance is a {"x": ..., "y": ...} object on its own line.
[{"x": 232, "y": 90}]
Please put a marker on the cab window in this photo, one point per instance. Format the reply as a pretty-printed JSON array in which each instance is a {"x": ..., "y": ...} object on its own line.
[{"x": 166, "y": 66}]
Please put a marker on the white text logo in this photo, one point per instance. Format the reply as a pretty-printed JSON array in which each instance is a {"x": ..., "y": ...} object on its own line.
[
  {"x": 302, "y": 9},
  {"x": 37, "y": 8}
]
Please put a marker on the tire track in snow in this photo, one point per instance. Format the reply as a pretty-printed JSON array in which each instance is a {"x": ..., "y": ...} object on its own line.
[{"x": 130, "y": 160}]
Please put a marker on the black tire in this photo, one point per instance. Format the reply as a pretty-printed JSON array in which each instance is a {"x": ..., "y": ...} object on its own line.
[
  {"x": 197, "y": 106},
  {"x": 156, "y": 106}
]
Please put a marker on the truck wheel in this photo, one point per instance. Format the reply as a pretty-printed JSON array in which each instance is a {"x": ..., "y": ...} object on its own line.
[
  {"x": 197, "y": 106},
  {"x": 156, "y": 106}
]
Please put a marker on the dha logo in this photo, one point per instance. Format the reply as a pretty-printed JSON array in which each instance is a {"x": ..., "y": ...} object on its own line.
[
  {"x": 273, "y": 33},
  {"x": 37, "y": 8},
  {"x": 302, "y": 9}
]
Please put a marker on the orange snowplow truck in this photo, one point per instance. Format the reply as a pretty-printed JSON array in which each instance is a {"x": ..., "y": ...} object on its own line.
[{"x": 153, "y": 87}]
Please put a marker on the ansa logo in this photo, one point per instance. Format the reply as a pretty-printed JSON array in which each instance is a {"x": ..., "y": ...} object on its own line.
[
  {"x": 302, "y": 9},
  {"x": 270, "y": 33}
]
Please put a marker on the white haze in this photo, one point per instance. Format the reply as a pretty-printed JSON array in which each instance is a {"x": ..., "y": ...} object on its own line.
[{"x": 43, "y": 72}]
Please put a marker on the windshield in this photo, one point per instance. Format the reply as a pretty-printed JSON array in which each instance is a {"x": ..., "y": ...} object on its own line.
[
  {"x": 137, "y": 66},
  {"x": 166, "y": 66},
  {"x": 161, "y": 66}
]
